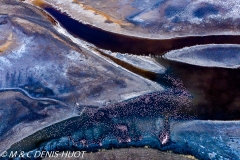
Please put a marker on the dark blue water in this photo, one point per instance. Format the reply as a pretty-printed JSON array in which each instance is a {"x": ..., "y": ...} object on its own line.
[{"x": 205, "y": 10}]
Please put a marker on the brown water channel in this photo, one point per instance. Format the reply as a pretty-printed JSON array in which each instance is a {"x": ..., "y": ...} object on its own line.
[{"x": 134, "y": 45}]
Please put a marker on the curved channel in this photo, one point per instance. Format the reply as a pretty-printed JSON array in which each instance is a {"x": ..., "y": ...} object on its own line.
[{"x": 132, "y": 45}]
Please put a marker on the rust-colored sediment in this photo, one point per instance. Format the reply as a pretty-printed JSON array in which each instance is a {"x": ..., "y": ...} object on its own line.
[
  {"x": 5, "y": 46},
  {"x": 49, "y": 17},
  {"x": 39, "y": 3},
  {"x": 103, "y": 14},
  {"x": 64, "y": 42}
]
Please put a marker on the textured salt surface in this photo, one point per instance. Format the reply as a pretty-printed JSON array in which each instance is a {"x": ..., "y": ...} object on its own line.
[
  {"x": 44, "y": 65},
  {"x": 156, "y": 18},
  {"x": 225, "y": 56},
  {"x": 145, "y": 120},
  {"x": 142, "y": 62}
]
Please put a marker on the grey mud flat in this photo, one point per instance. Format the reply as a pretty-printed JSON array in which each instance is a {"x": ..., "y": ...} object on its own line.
[{"x": 130, "y": 154}]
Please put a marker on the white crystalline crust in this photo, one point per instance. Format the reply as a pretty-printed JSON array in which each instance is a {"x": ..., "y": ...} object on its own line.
[
  {"x": 212, "y": 55},
  {"x": 149, "y": 19},
  {"x": 142, "y": 62}
]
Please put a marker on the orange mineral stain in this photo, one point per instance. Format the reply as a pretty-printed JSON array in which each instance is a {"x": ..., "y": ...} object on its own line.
[
  {"x": 39, "y": 3},
  {"x": 51, "y": 19},
  {"x": 5, "y": 46},
  {"x": 103, "y": 14}
]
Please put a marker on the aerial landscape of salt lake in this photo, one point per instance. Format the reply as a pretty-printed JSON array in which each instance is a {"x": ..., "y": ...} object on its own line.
[{"x": 124, "y": 80}]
